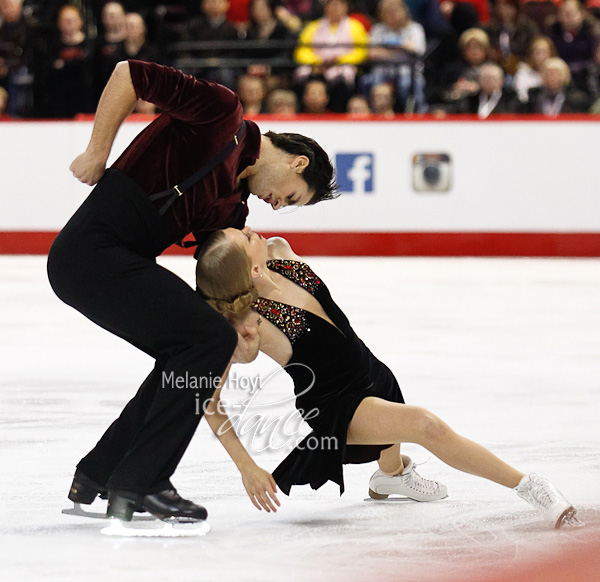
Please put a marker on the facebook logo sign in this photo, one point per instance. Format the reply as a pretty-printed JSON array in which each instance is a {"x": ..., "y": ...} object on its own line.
[{"x": 355, "y": 172}]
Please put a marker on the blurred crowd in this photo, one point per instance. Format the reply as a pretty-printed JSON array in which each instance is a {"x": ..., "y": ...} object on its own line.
[{"x": 284, "y": 57}]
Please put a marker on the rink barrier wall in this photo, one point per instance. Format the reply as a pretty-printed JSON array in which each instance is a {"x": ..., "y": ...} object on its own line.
[
  {"x": 511, "y": 186},
  {"x": 357, "y": 244}
]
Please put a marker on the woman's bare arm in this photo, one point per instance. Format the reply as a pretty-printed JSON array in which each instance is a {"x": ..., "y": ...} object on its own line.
[{"x": 259, "y": 484}]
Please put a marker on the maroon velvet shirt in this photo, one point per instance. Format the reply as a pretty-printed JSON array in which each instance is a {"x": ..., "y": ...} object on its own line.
[{"x": 199, "y": 119}]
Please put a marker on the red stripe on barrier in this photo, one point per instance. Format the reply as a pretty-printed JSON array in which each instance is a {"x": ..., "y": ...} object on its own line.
[{"x": 433, "y": 244}]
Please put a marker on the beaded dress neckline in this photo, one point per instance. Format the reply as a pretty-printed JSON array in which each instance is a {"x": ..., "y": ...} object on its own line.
[{"x": 291, "y": 320}]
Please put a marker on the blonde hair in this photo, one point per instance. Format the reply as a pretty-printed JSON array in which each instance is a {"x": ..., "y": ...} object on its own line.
[
  {"x": 224, "y": 275},
  {"x": 558, "y": 65},
  {"x": 476, "y": 34}
]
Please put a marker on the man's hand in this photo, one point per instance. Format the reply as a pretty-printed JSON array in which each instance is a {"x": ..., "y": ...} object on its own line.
[
  {"x": 261, "y": 488},
  {"x": 88, "y": 168},
  {"x": 248, "y": 345}
]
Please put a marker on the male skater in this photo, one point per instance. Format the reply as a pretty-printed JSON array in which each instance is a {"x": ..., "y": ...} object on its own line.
[{"x": 190, "y": 171}]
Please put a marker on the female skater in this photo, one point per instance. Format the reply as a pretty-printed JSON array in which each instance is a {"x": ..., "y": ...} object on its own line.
[{"x": 347, "y": 396}]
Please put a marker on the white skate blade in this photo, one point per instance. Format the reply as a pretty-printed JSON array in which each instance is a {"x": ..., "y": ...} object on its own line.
[
  {"x": 79, "y": 511},
  {"x": 390, "y": 499},
  {"x": 568, "y": 518},
  {"x": 156, "y": 529}
]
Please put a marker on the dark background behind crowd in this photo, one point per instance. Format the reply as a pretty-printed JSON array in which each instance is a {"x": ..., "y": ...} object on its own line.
[{"x": 362, "y": 57}]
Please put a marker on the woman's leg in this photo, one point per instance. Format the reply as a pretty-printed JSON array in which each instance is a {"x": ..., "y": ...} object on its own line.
[
  {"x": 390, "y": 460},
  {"x": 378, "y": 421}
]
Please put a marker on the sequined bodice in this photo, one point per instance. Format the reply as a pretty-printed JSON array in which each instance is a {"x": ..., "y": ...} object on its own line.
[{"x": 293, "y": 321}]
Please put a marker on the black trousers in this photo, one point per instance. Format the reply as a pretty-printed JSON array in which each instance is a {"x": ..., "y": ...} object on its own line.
[{"x": 103, "y": 264}]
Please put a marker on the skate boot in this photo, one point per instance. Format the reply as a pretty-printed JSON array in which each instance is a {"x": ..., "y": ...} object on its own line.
[
  {"x": 166, "y": 505},
  {"x": 540, "y": 493},
  {"x": 408, "y": 483},
  {"x": 83, "y": 490}
]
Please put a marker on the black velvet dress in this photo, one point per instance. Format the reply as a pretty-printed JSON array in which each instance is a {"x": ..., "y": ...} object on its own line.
[{"x": 332, "y": 371}]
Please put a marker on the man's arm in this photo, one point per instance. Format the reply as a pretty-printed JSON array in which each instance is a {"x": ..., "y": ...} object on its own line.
[{"x": 117, "y": 101}]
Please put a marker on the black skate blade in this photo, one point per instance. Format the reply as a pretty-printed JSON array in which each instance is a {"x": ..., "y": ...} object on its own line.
[
  {"x": 167, "y": 528},
  {"x": 79, "y": 511}
]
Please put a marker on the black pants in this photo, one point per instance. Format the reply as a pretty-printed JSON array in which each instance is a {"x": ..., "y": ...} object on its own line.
[{"x": 103, "y": 264}]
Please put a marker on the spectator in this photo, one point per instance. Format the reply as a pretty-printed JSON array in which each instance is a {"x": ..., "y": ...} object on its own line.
[
  {"x": 493, "y": 97},
  {"x": 556, "y": 95},
  {"x": 282, "y": 102},
  {"x": 212, "y": 25},
  {"x": 358, "y": 106},
  {"x": 510, "y": 33},
  {"x": 324, "y": 49},
  {"x": 460, "y": 78},
  {"x": 251, "y": 91},
  {"x": 268, "y": 21},
  {"x": 16, "y": 57},
  {"x": 3, "y": 103},
  {"x": 110, "y": 46},
  {"x": 382, "y": 99},
  {"x": 481, "y": 7},
  {"x": 305, "y": 10},
  {"x": 404, "y": 43},
  {"x": 575, "y": 39},
  {"x": 69, "y": 67},
  {"x": 593, "y": 76},
  {"x": 136, "y": 44},
  {"x": 528, "y": 74},
  {"x": 266, "y": 25},
  {"x": 427, "y": 13},
  {"x": 315, "y": 97}
]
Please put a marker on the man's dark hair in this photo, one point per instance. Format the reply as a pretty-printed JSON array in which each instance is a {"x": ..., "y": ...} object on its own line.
[{"x": 319, "y": 174}]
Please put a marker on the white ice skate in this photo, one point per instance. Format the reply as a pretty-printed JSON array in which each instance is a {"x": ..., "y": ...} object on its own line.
[
  {"x": 540, "y": 493},
  {"x": 408, "y": 484}
]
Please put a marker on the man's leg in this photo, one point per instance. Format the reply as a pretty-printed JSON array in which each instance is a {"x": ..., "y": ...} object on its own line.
[{"x": 152, "y": 308}]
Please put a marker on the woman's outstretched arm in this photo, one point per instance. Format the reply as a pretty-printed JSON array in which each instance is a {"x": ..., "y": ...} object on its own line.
[{"x": 259, "y": 484}]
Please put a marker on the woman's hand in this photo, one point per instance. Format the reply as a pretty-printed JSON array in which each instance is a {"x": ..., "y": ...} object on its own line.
[
  {"x": 261, "y": 488},
  {"x": 248, "y": 338},
  {"x": 88, "y": 168}
]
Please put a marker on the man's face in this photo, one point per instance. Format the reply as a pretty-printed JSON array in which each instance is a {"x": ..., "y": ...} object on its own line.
[
  {"x": 69, "y": 21},
  {"x": 11, "y": 10},
  {"x": 280, "y": 183},
  {"x": 215, "y": 8},
  {"x": 553, "y": 79},
  {"x": 113, "y": 16},
  {"x": 315, "y": 97},
  {"x": 135, "y": 26}
]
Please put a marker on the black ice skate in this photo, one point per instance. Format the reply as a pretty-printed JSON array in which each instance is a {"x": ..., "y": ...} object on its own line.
[
  {"x": 168, "y": 506},
  {"x": 84, "y": 491}
]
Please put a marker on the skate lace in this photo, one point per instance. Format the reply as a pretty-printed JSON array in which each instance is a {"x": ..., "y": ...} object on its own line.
[
  {"x": 415, "y": 482},
  {"x": 540, "y": 494}
]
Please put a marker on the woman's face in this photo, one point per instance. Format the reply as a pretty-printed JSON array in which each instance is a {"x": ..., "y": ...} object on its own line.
[
  {"x": 474, "y": 53},
  {"x": 541, "y": 52},
  {"x": 335, "y": 10},
  {"x": 253, "y": 244}
]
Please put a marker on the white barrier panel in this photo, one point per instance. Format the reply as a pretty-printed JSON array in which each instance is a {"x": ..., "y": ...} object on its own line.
[{"x": 501, "y": 176}]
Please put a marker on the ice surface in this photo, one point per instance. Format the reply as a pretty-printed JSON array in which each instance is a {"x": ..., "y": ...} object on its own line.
[{"x": 507, "y": 351}]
